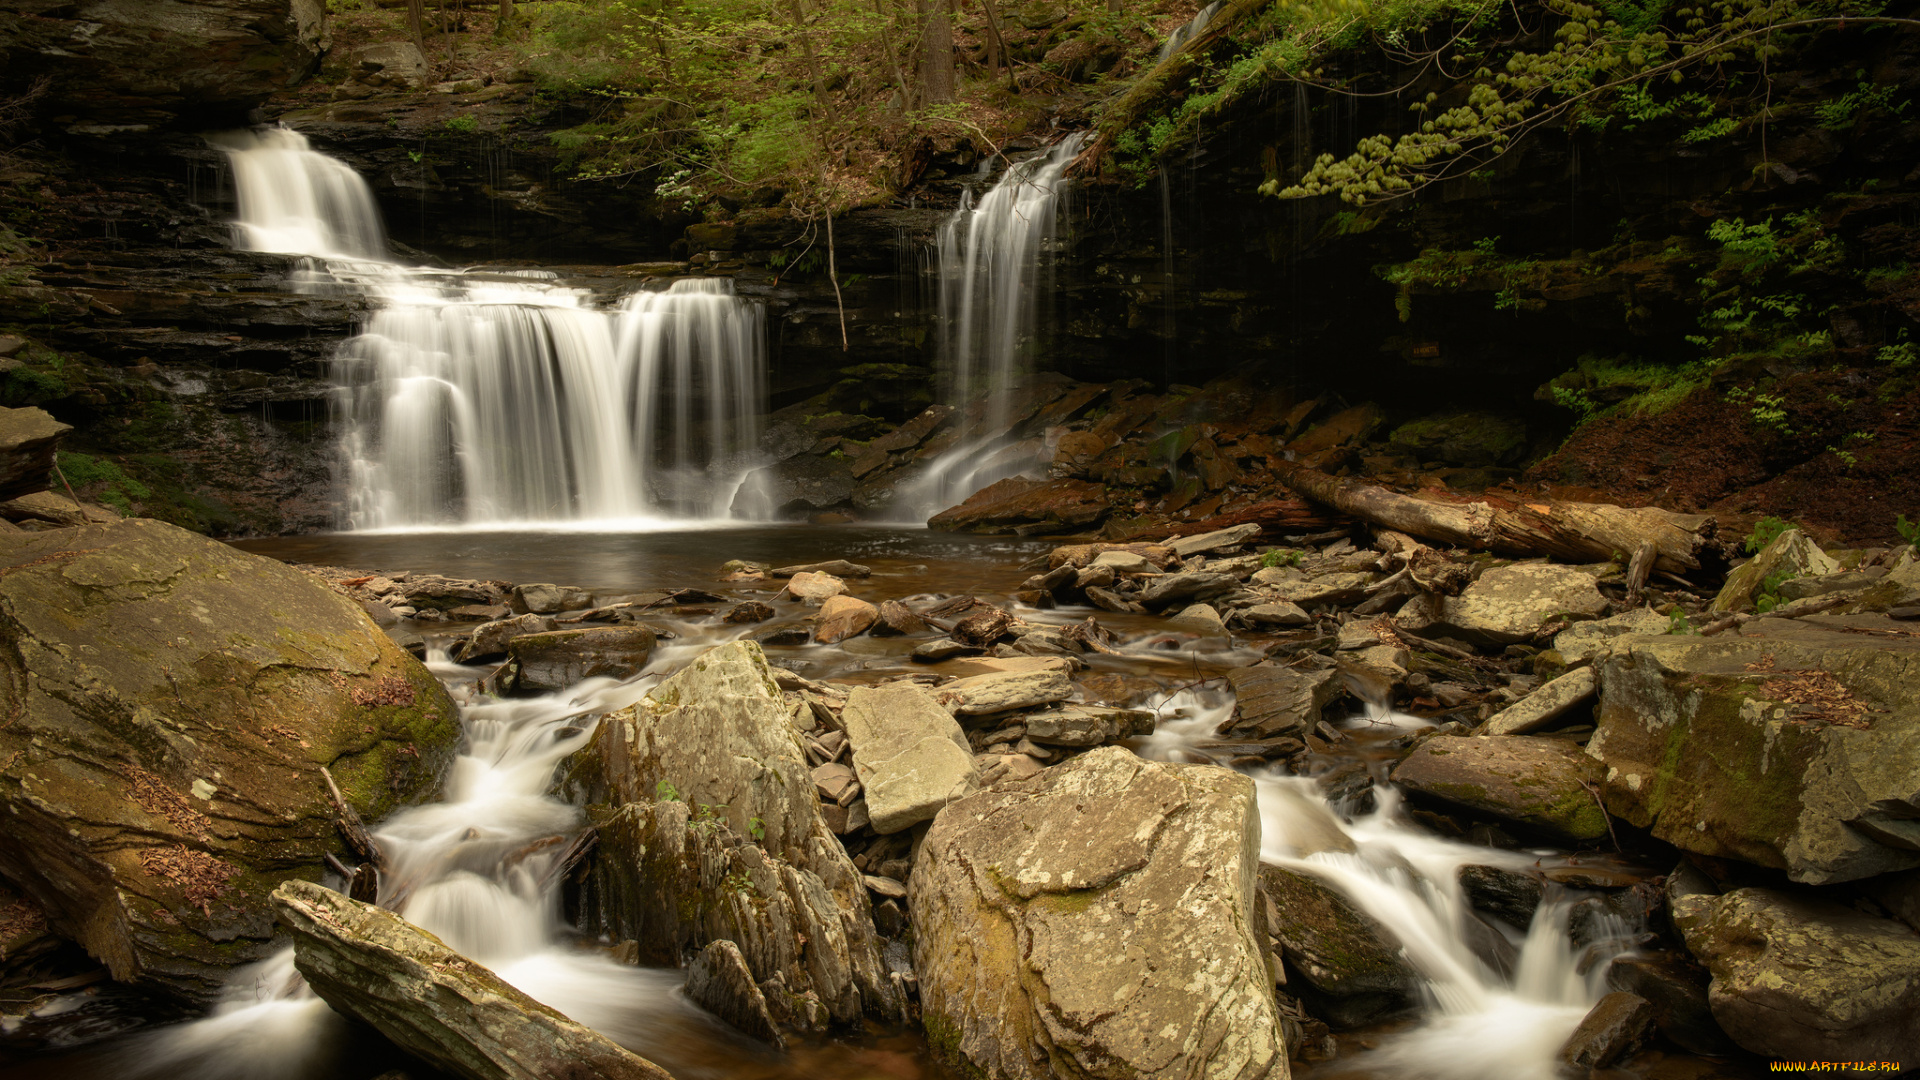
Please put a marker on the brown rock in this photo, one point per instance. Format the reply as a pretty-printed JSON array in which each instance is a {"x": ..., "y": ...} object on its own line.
[
  {"x": 842, "y": 617},
  {"x": 752, "y": 611},
  {"x": 983, "y": 628},
  {"x": 28, "y": 439},
  {"x": 896, "y": 619},
  {"x": 1031, "y": 505}
]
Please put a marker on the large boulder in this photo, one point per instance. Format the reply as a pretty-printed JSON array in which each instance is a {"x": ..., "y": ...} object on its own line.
[
  {"x": 1795, "y": 744},
  {"x": 172, "y": 702},
  {"x": 123, "y": 62},
  {"x": 1802, "y": 979},
  {"x": 911, "y": 757},
  {"x": 1791, "y": 555},
  {"x": 1506, "y": 605},
  {"x": 1098, "y": 919},
  {"x": 28, "y": 439},
  {"x": 434, "y": 1003},
  {"x": 705, "y": 786},
  {"x": 1538, "y": 783}
]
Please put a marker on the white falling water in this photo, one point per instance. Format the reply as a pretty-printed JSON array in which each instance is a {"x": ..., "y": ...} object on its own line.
[
  {"x": 991, "y": 261},
  {"x": 1480, "y": 1022},
  {"x": 493, "y": 399},
  {"x": 1191, "y": 29}
]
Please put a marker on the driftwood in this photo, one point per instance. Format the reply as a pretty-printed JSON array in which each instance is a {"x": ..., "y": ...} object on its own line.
[
  {"x": 1571, "y": 532},
  {"x": 352, "y": 829}
]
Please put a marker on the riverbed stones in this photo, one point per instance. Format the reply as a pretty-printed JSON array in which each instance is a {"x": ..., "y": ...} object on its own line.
[
  {"x": 1540, "y": 784},
  {"x": 1353, "y": 968},
  {"x": 1583, "y": 641},
  {"x": 842, "y": 617},
  {"x": 1271, "y": 701},
  {"x": 55, "y": 510},
  {"x": 1183, "y": 589},
  {"x": 1087, "y": 725},
  {"x": 1067, "y": 925},
  {"x": 836, "y": 567},
  {"x": 1792, "y": 554},
  {"x": 911, "y": 757},
  {"x": 1124, "y": 562},
  {"x": 1276, "y": 613},
  {"x": 1544, "y": 706},
  {"x": 1004, "y": 691},
  {"x": 556, "y": 660},
  {"x": 28, "y": 439},
  {"x": 813, "y": 588},
  {"x": 1794, "y": 744},
  {"x": 896, "y": 619},
  {"x": 371, "y": 964},
  {"x": 172, "y": 701},
  {"x": 1615, "y": 1027},
  {"x": 542, "y": 599},
  {"x": 1799, "y": 978},
  {"x": 491, "y": 639},
  {"x": 1507, "y": 605},
  {"x": 1201, "y": 617},
  {"x": 759, "y": 865},
  {"x": 1188, "y": 546}
]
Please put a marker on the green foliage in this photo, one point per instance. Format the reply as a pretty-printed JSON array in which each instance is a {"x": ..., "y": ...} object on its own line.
[
  {"x": 756, "y": 828},
  {"x": 1479, "y": 267},
  {"x": 464, "y": 124},
  {"x": 1899, "y": 356},
  {"x": 1577, "y": 400},
  {"x": 1769, "y": 412},
  {"x": 101, "y": 479},
  {"x": 1908, "y": 530},
  {"x": 664, "y": 791},
  {"x": 1678, "y": 623},
  {"x": 1636, "y": 387},
  {"x": 1280, "y": 557},
  {"x": 1765, "y": 532},
  {"x": 1843, "y": 111},
  {"x": 1767, "y": 597}
]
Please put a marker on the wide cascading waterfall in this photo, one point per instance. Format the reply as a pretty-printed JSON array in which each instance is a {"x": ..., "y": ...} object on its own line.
[
  {"x": 991, "y": 260},
  {"x": 493, "y": 399},
  {"x": 297, "y": 201},
  {"x": 1482, "y": 1019}
]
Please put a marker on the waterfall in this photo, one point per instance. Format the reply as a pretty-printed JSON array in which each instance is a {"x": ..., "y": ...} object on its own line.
[
  {"x": 1188, "y": 32},
  {"x": 1480, "y": 1021},
  {"x": 492, "y": 399},
  {"x": 991, "y": 263}
]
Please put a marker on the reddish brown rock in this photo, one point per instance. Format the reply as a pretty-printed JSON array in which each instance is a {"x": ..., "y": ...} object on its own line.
[{"x": 1033, "y": 505}]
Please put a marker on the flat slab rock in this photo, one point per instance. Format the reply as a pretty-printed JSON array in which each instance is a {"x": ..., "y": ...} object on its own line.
[
  {"x": 1271, "y": 700},
  {"x": 1794, "y": 744},
  {"x": 1507, "y": 605},
  {"x": 1068, "y": 924},
  {"x": 911, "y": 757},
  {"x": 434, "y": 1003},
  {"x": 1003, "y": 691},
  {"x": 1533, "y": 782}
]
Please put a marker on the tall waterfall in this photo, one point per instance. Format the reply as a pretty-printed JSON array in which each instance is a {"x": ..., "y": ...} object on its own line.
[
  {"x": 495, "y": 399},
  {"x": 992, "y": 263}
]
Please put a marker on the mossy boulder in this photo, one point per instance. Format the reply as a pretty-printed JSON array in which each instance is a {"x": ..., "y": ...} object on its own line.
[
  {"x": 1538, "y": 783},
  {"x": 1462, "y": 438},
  {"x": 171, "y": 703},
  {"x": 1794, "y": 745},
  {"x": 1350, "y": 967},
  {"x": 1791, "y": 555}
]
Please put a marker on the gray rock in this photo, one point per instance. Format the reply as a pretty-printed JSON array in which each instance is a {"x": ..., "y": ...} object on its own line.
[
  {"x": 1170, "y": 589},
  {"x": 56, "y": 510},
  {"x": 28, "y": 439},
  {"x": 1087, "y": 725},
  {"x": 1535, "y": 783},
  {"x": 1507, "y": 605},
  {"x": 720, "y": 982},
  {"x": 932, "y": 652},
  {"x": 1284, "y": 584},
  {"x": 836, "y": 567},
  {"x": 1615, "y": 1027},
  {"x": 1004, "y": 691},
  {"x": 1157, "y": 861},
  {"x": 1272, "y": 701},
  {"x": 1704, "y": 744},
  {"x": 491, "y": 639},
  {"x": 1124, "y": 562},
  {"x": 371, "y": 964},
  {"x": 548, "y": 599},
  {"x": 1585, "y": 641},
  {"x": 911, "y": 757},
  {"x": 896, "y": 619},
  {"x": 1677, "y": 987},
  {"x": 1188, "y": 546},
  {"x": 170, "y": 701},
  {"x": 1202, "y": 617},
  {"x": 1792, "y": 552},
  {"x": 394, "y": 64},
  {"x": 1276, "y": 613},
  {"x": 1541, "y": 708},
  {"x": 1801, "y": 979},
  {"x": 719, "y": 734},
  {"x": 558, "y": 659}
]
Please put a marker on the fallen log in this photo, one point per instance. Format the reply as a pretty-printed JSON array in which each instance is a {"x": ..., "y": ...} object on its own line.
[
  {"x": 1277, "y": 516},
  {"x": 1570, "y": 532}
]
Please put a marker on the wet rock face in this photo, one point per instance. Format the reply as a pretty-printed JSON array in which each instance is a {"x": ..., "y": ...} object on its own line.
[
  {"x": 1353, "y": 968},
  {"x": 123, "y": 61},
  {"x": 541, "y": 663},
  {"x": 1803, "y": 979},
  {"x": 174, "y": 700},
  {"x": 1791, "y": 745},
  {"x": 1538, "y": 783},
  {"x": 375, "y": 966},
  {"x": 1156, "y": 862}
]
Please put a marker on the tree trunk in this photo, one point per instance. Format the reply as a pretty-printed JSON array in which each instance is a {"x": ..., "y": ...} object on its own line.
[
  {"x": 1572, "y": 532},
  {"x": 505, "y": 17},
  {"x": 996, "y": 45},
  {"x": 813, "y": 70},
  {"x": 416, "y": 24},
  {"x": 936, "y": 56}
]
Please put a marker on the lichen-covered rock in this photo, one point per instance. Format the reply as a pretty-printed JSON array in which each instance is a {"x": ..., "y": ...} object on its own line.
[
  {"x": 1507, "y": 605},
  {"x": 1351, "y": 965},
  {"x": 543, "y": 599},
  {"x": 1533, "y": 782},
  {"x": 173, "y": 701},
  {"x": 491, "y": 638},
  {"x": 406, "y": 984},
  {"x": 1545, "y": 705},
  {"x": 1097, "y": 920},
  {"x": 911, "y": 757},
  {"x": 1802, "y": 979},
  {"x": 1583, "y": 641},
  {"x": 1795, "y": 744},
  {"x": 719, "y": 736},
  {"x": 1003, "y": 691}
]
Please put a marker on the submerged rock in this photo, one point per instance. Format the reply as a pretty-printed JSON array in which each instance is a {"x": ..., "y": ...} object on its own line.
[
  {"x": 1272, "y": 701},
  {"x": 549, "y": 599},
  {"x": 172, "y": 701},
  {"x": 1803, "y": 979},
  {"x": 1067, "y": 925},
  {"x": 1537, "y": 783},
  {"x": 1792, "y": 744},
  {"x": 1612, "y": 1029},
  {"x": 371, "y": 964}
]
